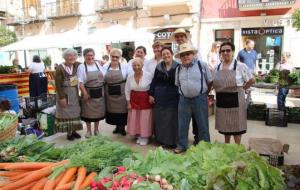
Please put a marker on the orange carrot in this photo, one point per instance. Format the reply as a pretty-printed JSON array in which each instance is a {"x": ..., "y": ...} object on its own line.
[
  {"x": 66, "y": 186},
  {"x": 10, "y": 173},
  {"x": 59, "y": 178},
  {"x": 27, "y": 187},
  {"x": 88, "y": 180},
  {"x": 50, "y": 184},
  {"x": 34, "y": 176},
  {"x": 68, "y": 176},
  {"x": 80, "y": 177},
  {"x": 20, "y": 176},
  {"x": 27, "y": 165},
  {"x": 40, "y": 184},
  {"x": 2, "y": 165}
]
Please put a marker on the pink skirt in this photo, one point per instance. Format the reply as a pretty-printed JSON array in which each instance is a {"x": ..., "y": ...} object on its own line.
[{"x": 140, "y": 122}]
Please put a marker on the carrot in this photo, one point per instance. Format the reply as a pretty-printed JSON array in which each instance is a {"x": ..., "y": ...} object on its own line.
[
  {"x": 40, "y": 184},
  {"x": 68, "y": 176},
  {"x": 50, "y": 184},
  {"x": 80, "y": 177},
  {"x": 10, "y": 173},
  {"x": 2, "y": 165},
  {"x": 27, "y": 187},
  {"x": 19, "y": 176},
  {"x": 66, "y": 186},
  {"x": 58, "y": 179},
  {"x": 34, "y": 176},
  {"x": 27, "y": 165},
  {"x": 88, "y": 180}
]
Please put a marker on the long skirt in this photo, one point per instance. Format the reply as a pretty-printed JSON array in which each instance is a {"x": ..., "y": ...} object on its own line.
[
  {"x": 118, "y": 119},
  {"x": 139, "y": 122},
  {"x": 166, "y": 124},
  {"x": 67, "y": 125}
]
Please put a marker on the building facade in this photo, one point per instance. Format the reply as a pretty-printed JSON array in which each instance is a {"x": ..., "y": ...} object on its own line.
[{"x": 267, "y": 22}]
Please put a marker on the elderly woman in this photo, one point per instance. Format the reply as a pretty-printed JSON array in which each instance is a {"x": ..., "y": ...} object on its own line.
[
  {"x": 116, "y": 105},
  {"x": 139, "y": 109},
  {"x": 140, "y": 52},
  {"x": 231, "y": 79},
  {"x": 67, "y": 98},
  {"x": 91, "y": 83},
  {"x": 283, "y": 91},
  {"x": 38, "y": 82},
  {"x": 164, "y": 95}
]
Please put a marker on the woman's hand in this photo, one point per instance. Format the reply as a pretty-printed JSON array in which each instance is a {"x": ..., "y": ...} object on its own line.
[
  {"x": 248, "y": 84},
  {"x": 63, "y": 102},
  {"x": 86, "y": 96},
  {"x": 151, "y": 100},
  {"x": 129, "y": 106}
]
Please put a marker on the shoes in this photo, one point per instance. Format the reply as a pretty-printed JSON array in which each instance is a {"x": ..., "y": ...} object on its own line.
[
  {"x": 96, "y": 133},
  {"x": 143, "y": 141},
  {"x": 70, "y": 137},
  {"x": 122, "y": 132},
  {"x": 116, "y": 130},
  {"x": 76, "y": 135},
  {"x": 88, "y": 134},
  {"x": 179, "y": 150}
]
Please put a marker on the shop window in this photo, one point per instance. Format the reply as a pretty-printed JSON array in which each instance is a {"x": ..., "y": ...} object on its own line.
[
  {"x": 224, "y": 35},
  {"x": 268, "y": 45}
]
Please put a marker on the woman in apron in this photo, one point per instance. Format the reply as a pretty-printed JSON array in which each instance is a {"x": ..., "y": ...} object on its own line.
[
  {"x": 91, "y": 84},
  {"x": 231, "y": 79},
  {"x": 67, "y": 98},
  {"x": 139, "y": 109},
  {"x": 116, "y": 105}
]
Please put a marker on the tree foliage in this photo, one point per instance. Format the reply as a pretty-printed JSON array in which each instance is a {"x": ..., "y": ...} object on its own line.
[
  {"x": 6, "y": 36},
  {"x": 296, "y": 19}
]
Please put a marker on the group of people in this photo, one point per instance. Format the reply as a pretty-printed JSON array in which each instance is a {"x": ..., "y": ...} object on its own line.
[{"x": 156, "y": 97}]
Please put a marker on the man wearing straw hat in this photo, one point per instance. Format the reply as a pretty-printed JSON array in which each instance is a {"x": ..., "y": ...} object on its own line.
[
  {"x": 181, "y": 36},
  {"x": 194, "y": 81}
]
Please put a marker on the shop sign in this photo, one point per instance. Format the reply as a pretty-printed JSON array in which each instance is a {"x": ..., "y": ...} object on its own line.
[
  {"x": 262, "y": 31},
  {"x": 164, "y": 34}
]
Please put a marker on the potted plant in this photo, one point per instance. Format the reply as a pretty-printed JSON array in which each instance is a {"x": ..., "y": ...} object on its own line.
[{"x": 47, "y": 62}]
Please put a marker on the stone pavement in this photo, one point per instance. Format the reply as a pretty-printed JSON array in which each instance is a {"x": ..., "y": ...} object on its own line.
[{"x": 289, "y": 135}]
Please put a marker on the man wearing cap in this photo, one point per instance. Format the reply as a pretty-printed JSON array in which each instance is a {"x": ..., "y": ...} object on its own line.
[
  {"x": 194, "y": 81},
  {"x": 150, "y": 65},
  {"x": 181, "y": 36}
]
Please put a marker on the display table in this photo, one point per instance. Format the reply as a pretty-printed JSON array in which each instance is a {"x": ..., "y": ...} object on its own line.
[{"x": 22, "y": 81}]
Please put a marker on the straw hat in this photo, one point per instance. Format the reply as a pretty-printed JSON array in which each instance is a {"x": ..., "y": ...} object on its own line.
[
  {"x": 156, "y": 43},
  {"x": 180, "y": 31},
  {"x": 186, "y": 47}
]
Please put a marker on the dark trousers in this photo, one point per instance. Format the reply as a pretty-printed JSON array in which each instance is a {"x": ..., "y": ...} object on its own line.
[
  {"x": 282, "y": 93},
  {"x": 195, "y": 130},
  {"x": 37, "y": 85}
]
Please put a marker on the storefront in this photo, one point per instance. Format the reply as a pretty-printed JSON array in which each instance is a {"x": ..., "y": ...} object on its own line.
[{"x": 268, "y": 44}]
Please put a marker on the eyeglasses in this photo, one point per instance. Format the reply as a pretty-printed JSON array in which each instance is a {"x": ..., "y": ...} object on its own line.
[
  {"x": 226, "y": 50},
  {"x": 115, "y": 57}
]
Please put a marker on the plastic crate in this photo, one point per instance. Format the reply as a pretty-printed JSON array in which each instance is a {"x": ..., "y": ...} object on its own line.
[
  {"x": 274, "y": 160},
  {"x": 277, "y": 118},
  {"x": 256, "y": 112},
  {"x": 40, "y": 102}
]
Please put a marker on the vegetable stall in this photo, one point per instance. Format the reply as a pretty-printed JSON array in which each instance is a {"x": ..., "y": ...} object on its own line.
[{"x": 101, "y": 164}]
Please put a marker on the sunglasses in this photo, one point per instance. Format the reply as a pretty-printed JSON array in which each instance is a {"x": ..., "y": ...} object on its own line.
[
  {"x": 226, "y": 50},
  {"x": 116, "y": 57}
]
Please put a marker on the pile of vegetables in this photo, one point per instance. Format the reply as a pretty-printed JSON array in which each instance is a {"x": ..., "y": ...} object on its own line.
[
  {"x": 210, "y": 166},
  {"x": 295, "y": 77},
  {"x": 45, "y": 175},
  {"x": 6, "y": 120},
  {"x": 272, "y": 77},
  {"x": 6, "y": 69}
]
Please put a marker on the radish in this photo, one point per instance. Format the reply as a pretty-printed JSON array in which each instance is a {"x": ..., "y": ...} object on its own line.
[
  {"x": 157, "y": 178},
  {"x": 101, "y": 186},
  {"x": 164, "y": 181},
  {"x": 93, "y": 184}
]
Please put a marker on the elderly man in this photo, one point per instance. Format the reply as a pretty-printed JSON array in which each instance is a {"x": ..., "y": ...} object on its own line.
[
  {"x": 194, "y": 81},
  {"x": 181, "y": 36}
]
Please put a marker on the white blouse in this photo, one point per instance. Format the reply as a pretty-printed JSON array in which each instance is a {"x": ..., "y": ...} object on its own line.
[
  {"x": 36, "y": 67},
  {"x": 124, "y": 69},
  {"x": 143, "y": 85},
  {"x": 242, "y": 72},
  {"x": 81, "y": 72},
  {"x": 150, "y": 66}
]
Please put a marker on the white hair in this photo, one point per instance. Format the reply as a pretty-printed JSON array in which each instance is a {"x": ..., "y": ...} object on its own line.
[{"x": 69, "y": 51}]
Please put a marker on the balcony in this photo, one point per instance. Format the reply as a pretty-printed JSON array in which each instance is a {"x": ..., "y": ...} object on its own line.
[
  {"x": 26, "y": 15},
  {"x": 115, "y": 5},
  {"x": 61, "y": 9},
  {"x": 248, "y": 5}
]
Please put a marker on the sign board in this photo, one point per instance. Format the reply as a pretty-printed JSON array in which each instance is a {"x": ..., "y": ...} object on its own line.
[
  {"x": 262, "y": 31},
  {"x": 164, "y": 34}
]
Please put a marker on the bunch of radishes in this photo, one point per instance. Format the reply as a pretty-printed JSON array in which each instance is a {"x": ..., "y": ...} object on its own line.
[
  {"x": 120, "y": 180},
  {"x": 161, "y": 181}
]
